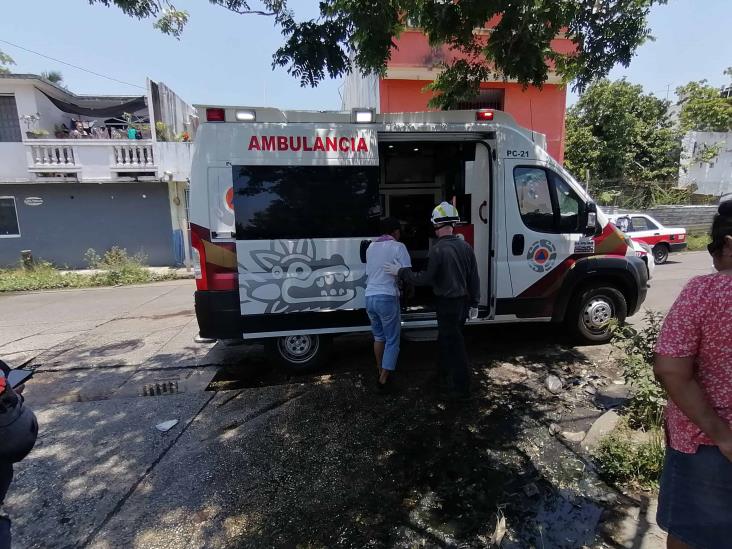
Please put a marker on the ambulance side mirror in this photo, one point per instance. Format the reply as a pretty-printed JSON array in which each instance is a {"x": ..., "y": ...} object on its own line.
[{"x": 590, "y": 218}]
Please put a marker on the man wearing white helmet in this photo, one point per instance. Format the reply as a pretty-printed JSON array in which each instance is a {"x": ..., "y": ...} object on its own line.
[{"x": 453, "y": 274}]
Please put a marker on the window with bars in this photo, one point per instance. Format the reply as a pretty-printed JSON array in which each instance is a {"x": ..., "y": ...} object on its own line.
[
  {"x": 486, "y": 99},
  {"x": 9, "y": 122}
]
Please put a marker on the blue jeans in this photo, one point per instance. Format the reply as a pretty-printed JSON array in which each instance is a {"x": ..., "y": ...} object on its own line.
[{"x": 383, "y": 311}]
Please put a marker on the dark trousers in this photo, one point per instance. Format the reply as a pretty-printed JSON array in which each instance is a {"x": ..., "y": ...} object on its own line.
[
  {"x": 6, "y": 477},
  {"x": 453, "y": 362}
]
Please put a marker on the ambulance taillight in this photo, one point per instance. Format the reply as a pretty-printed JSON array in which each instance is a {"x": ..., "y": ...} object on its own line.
[
  {"x": 215, "y": 115},
  {"x": 484, "y": 115}
]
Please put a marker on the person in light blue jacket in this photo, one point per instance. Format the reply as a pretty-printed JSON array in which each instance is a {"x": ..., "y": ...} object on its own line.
[{"x": 382, "y": 296}]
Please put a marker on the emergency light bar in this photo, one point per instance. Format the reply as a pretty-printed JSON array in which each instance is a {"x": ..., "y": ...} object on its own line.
[
  {"x": 363, "y": 116},
  {"x": 246, "y": 116}
]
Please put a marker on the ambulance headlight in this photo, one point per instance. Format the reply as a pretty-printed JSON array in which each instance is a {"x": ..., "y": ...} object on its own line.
[
  {"x": 363, "y": 116},
  {"x": 246, "y": 116}
]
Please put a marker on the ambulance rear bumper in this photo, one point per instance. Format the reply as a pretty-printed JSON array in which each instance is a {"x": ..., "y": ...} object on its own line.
[{"x": 218, "y": 313}]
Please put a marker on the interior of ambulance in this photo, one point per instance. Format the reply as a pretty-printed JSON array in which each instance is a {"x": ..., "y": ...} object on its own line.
[{"x": 414, "y": 177}]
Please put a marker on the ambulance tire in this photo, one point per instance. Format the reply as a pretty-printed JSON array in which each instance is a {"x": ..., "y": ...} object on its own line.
[
  {"x": 299, "y": 353},
  {"x": 660, "y": 254},
  {"x": 589, "y": 316}
]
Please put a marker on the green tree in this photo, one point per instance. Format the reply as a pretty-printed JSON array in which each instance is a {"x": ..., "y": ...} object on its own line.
[
  {"x": 357, "y": 35},
  {"x": 53, "y": 76},
  {"x": 703, "y": 108},
  {"x": 619, "y": 133},
  {"x": 5, "y": 62}
]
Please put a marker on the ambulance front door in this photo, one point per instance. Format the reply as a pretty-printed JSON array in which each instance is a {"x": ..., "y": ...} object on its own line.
[
  {"x": 543, "y": 218},
  {"x": 478, "y": 188}
]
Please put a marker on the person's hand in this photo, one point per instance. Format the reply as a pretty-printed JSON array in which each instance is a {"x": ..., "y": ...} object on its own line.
[
  {"x": 392, "y": 268},
  {"x": 473, "y": 313}
]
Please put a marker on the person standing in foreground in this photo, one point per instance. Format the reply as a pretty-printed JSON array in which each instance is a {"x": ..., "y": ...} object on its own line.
[
  {"x": 694, "y": 364},
  {"x": 453, "y": 274},
  {"x": 382, "y": 296}
]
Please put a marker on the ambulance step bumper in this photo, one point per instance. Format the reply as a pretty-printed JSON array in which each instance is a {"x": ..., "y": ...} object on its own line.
[{"x": 218, "y": 314}]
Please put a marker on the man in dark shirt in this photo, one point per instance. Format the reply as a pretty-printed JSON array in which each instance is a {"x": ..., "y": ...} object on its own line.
[{"x": 453, "y": 274}]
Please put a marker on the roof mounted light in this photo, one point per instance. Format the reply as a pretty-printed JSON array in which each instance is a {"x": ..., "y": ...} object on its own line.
[
  {"x": 484, "y": 115},
  {"x": 215, "y": 115},
  {"x": 363, "y": 116},
  {"x": 246, "y": 116}
]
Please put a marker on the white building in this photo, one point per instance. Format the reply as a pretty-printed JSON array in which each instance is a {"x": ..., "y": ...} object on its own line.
[
  {"x": 706, "y": 162},
  {"x": 80, "y": 172}
]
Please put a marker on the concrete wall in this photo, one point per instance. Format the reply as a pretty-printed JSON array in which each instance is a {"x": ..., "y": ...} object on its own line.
[
  {"x": 77, "y": 216},
  {"x": 695, "y": 219},
  {"x": 713, "y": 177},
  {"x": 13, "y": 163}
]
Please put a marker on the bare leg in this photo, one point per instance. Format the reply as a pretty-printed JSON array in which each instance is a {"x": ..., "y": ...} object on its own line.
[
  {"x": 384, "y": 376},
  {"x": 673, "y": 543},
  {"x": 379, "y": 353}
]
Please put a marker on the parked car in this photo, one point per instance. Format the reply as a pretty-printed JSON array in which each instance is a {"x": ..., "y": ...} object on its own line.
[
  {"x": 644, "y": 228},
  {"x": 645, "y": 252}
]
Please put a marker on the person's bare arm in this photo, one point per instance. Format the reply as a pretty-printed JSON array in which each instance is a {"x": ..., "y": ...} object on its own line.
[{"x": 677, "y": 377}]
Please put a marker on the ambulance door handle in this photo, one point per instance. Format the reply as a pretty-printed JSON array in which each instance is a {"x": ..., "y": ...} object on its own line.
[
  {"x": 517, "y": 245},
  {"x": 480, "y": 212}
]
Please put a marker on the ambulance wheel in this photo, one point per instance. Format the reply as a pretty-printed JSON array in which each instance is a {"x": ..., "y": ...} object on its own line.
[
  {"x": 660, "y": 254},
  {"x": 299, "y": 353},
  {"x": 593, "y": 309}
]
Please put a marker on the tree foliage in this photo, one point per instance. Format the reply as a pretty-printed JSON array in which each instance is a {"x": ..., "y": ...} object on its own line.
[
  {"x": 358, "y": 35},
  {"x": 619, "y": 133},
  {"x": 703, "y": 108},
  {"x": 53, "y": 76},
  {"x": 5, "y": 62}
]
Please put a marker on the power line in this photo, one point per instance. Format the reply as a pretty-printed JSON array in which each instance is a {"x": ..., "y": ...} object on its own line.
[{"x": 71, "y": 65}]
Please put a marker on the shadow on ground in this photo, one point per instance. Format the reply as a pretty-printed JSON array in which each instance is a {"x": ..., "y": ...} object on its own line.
[{"x": 317, "y": 461}]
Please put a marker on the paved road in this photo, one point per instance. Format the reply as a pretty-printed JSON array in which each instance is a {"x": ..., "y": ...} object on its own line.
[{"x": 103, "y": 476}]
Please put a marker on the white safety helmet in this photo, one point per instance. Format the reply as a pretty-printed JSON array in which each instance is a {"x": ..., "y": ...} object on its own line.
[{"x": 445, "y": 213}]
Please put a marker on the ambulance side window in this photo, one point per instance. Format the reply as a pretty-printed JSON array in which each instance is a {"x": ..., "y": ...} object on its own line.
[
  {"x": 534, "y": 198},
  {"x": 568, "y": 204}
]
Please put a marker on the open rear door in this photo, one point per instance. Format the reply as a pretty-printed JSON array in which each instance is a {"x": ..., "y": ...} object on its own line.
[{"x": 478, "y": 186}]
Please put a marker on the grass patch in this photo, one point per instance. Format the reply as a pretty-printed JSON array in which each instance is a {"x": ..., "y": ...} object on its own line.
[
  {"x": 697, "y": 242},
  {"x": 116, "y": 267},
  {"x": 624, "y": 461}
]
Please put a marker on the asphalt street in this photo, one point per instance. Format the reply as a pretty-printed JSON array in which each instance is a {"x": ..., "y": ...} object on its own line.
[{"x": 103, "y": 476}]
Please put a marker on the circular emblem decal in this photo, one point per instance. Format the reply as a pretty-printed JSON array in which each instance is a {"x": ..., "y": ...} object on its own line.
[
  {"x": 229, "y": 198},
  {"x": 541, "y": 256}
]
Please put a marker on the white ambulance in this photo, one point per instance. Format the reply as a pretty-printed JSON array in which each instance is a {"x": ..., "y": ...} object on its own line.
[{"x": 283, "y": 205}]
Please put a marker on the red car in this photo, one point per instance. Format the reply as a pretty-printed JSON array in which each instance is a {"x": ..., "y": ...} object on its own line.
[{"x": 644, "y": 228}]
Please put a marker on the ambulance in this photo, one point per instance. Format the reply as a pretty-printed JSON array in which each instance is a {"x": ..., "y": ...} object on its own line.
[{"x": 283, "y": 205}]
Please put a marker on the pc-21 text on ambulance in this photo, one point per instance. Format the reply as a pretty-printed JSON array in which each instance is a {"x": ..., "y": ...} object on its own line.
[{"x": 285, "y": 203}]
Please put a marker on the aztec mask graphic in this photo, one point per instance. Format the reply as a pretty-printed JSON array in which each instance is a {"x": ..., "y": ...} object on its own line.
[{"x": 290, "y": 279}]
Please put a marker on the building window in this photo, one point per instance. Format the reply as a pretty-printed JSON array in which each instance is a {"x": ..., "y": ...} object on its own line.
[
  {"x": 9, "y": 121},
  {"x": 8, "y": 218},
  {"x": 486, "y": 99}
]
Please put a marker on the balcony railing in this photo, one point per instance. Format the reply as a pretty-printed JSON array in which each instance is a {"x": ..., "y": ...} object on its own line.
[{"x": 91, "y": 159}]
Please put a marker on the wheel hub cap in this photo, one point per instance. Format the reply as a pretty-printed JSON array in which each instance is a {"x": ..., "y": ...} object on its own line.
[{"x": 597, "y": 314}]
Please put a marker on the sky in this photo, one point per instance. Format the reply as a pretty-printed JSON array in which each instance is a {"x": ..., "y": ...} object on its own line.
[{"x": 223, "y": 58}]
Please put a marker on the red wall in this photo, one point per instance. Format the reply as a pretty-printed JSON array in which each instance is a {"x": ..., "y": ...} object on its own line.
[{"x": 543, "y": 109}]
